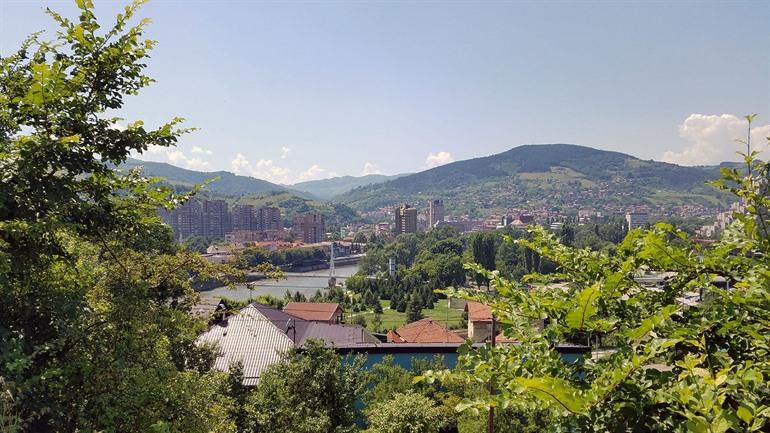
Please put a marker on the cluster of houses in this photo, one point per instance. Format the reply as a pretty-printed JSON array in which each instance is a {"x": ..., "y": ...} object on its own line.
[{"x": 258, "y": 335}]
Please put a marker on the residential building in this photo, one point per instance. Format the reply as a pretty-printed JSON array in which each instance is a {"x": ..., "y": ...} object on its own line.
[
  {"x": 479, "y": 321},
  {"x": 269, "y": 218},
  {"x": 406, "y": 219},
  {"x": 258, "y": 336},
  {"x": 637, "y": 219},
  {"x": 188, "y": 220},
  {"x": 244, "y": 218},
  {"x": 435, "y": 212},
  {"x": 423, "y": 331},
  {"x": 316, "y": 311},
  {"x": 310, "y": 228},
  {"x": 216, "y": 219}
]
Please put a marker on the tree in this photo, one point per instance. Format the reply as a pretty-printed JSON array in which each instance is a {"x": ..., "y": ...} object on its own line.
[
  {"x": 413, "y": 308},
  {"x": 714, "y": 354},
  {"x": 359, "y": 238},
  {"x": 312, "y": 390},
  {"x": 406, "y": 412},
  {"x": 483, "y": 249},
  {"x": 95, "y": 328}
]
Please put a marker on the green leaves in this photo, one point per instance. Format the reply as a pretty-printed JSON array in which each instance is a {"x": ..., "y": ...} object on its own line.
[
  {"x": 584, "y": 308},
  {"x": 554, "y": 390}
]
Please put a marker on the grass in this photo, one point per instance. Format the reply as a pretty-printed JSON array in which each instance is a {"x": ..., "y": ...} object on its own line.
[{"x": 449, "y": 318}]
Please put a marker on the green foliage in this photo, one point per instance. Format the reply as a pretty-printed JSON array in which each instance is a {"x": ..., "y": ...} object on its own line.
[
  {"x": 405, "y": 413},
  {"x": 95, "y": 328},
  {"x": 313, "y": 390},
  {"x": 672, "y": 367}
]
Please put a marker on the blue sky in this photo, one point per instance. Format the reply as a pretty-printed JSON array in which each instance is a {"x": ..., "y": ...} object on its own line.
[{"x": 305, "y": 90}]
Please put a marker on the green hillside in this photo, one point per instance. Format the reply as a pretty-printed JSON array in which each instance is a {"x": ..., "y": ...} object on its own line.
[
  {"x": 552, "y": 174},
  {"x": 326, "y": 189}
]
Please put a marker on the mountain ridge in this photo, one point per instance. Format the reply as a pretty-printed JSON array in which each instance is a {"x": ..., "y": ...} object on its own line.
[{"x": 541, "y": 174}]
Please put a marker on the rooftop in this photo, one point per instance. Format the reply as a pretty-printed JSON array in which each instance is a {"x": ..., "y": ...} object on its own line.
[
  {"x": 315, "y": 311},
  {"x": 423, "y": 331}
]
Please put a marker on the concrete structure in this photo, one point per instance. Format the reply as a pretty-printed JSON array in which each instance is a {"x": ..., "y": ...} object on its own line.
[
  {"x": 637, "y": 219},
  {"x": 216, "y": 219},
  {"x": 310, "y": 228},
  {"x": 406, "y": 219},
  {"x": 244, "y": 218},
  {"x": 269, "y": 218},
  {"x": 435, "y": 212}
]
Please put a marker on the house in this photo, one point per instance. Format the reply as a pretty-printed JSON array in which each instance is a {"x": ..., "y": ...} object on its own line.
[
  {"x": 423, "y": 331},
  {"x": 316, "y": 311},
  {"x": 479, "y": 321},
  {"x": 247, "y": 337},
  {"x": 257, "y": 336}
]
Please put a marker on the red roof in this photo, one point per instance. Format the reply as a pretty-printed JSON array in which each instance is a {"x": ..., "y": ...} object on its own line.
[
  {"x": 478, "y": 312},
  {"x": 424, "y": 331},
  {"x": 313, "y": 311}
]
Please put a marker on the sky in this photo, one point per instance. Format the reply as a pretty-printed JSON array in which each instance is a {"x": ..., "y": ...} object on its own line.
[{"x": 295, "y": 91}]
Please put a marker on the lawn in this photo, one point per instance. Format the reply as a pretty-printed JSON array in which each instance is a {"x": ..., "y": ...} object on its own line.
[{"x": 393, "y": 319}]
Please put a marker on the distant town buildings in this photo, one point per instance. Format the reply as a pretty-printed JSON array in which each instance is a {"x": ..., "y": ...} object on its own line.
[
  {"x": 435, "y": 212},
  {"x": 215, "y": 219},
  {"x": 310, "y": 228},
  {"x": 637, "y": 219},
  {"x": 406, "y": 219}
]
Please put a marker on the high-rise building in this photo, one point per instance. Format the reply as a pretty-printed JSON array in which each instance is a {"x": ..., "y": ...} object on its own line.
[
  {"x": 188, "y": 220},
  {"x": 435, "y": 212},
  {"x": 216, "y": 219},
  {"x": 637, "y": 219},
  {"x": 269, "y": 218},
  {"x": 310, "y": 228},
  {"x": 244, "y": 218},
  {"x": 406, "y": 219}
]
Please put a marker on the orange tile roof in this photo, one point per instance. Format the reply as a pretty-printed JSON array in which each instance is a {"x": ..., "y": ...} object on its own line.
[
  {"x": 478, "y": 312},
  {"x": 313, "y": 311},
  {"x": 425, "y": 331}
]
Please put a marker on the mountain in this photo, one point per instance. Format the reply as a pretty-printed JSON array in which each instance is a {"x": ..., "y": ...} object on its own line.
[
  {"x": 229, "y": 184},
  {"x": 326, "y": 189},
  {"x": 552, "y": 175}
]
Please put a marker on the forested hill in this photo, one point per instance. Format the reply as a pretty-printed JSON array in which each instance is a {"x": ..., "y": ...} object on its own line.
[
  {"x": 229, "y": 184},
  {"x": 556, "y": 174},
  {"x": 326, "y": 189}
]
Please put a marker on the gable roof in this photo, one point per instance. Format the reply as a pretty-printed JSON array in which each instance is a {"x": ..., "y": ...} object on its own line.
[
  {"x": 248, "y": 337},
  {"x": 312, "y": 310},
  {"x": 478, "y": 312},
  {"x": 300, "y": 330},
  {"x": 426, "y": 331}
]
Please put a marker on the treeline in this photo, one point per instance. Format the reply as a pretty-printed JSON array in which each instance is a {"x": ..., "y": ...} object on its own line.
[{"x": 288, "y": 258}]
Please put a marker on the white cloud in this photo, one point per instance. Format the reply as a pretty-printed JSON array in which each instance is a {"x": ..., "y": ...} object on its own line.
[
  {"x": 198, "y": 149},
  {"x": 712, "y": 139},
  {"x": 370, "y": 168},
  {"x": 436, "y": 159},
  {"x": 267, "y": 170},
  {"x": 285, "y": 152},
  {"x": 178, "y": 158}
]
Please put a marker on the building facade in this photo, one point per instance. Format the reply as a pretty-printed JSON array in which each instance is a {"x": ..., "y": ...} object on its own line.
[
  {"x": 435, "y": 212},
  {"x": 310, "y": 228},
  {"x": 406, "y": 219},
  {"x": 637, "y": 219}
]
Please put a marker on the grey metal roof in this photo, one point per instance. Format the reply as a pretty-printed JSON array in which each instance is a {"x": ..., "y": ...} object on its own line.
[
  {"x": 249, "y": 337},
  {"x": 332, "y": 334}
]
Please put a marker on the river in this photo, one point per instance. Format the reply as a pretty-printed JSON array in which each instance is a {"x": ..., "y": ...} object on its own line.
[{"x": 306, "y": 283}]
